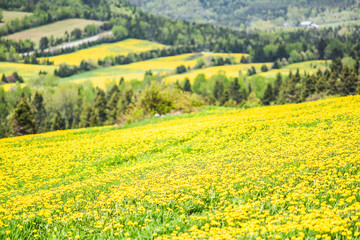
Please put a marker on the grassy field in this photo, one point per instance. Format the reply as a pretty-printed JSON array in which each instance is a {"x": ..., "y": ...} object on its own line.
[
  {"x": 27, "y": 71},
  {"x": 281, "y": 172},
  {"x": 103, "y": 50},
  {"x": 11, "y": 15},
  {"x": 166, "y": 65},
  {"x": 56, "y": 29}
]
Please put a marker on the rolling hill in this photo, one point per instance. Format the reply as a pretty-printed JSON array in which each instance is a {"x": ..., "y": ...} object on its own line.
[{"x": 222, "y": 173}]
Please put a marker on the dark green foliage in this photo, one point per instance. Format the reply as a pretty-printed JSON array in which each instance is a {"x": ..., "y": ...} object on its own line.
[
  {"x": 268, "y": 95},
  {"x": 57, "y": 122},
  {"x": 44, "y": 43},
  {"x": 100, "y": 106},
  {"x": 22, "y": 119},
  {"x": 4, "y": 79},
  {"x": 264, "y": 68},
  {"x": 17, "y": 77},
  {"x": 187, "y": 85},
  {"x": 225, "y": 97},
  {"x": 251, "y": 71},
  {"x": 112, "y": 107},
  {"x": 218, "y": 89},
  {"x": 180, "y": 69},
  {"x": 277, "y": 85},
  {"x": 235, "y": 91},
  {"x": 88, "y": 117},
  {"x": 40, "y": 112}
]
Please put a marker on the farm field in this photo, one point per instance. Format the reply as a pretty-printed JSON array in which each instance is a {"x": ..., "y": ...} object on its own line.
[
  {"x": 27, "y": 71},
  {"x": 281, "y": 172},
  {"x": 165, "y": 65},
  {"x": 56, "y": 29},
  {"x": 108, "y": 49},
  {"x": 8, "y": 16}
]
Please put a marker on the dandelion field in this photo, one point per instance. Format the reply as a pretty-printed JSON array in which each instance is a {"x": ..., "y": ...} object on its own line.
[
  {"x": 281, "y": 172},
  {"x": 107, "y": 49}
]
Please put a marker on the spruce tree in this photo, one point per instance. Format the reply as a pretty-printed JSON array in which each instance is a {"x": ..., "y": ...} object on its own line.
[
  {"x": 112, "y": 109},
  {"x": 277, "y": 85},
  {"x": 225, "y": 97},
  {"x": 187, "y": 85},
  {"x": 88, "y": 117},
  {"x": 40, "y": 113},
  {"x": 349, "y": 81},
  {"x": 57, "y": 123},
  {"x": 100, "y": 107},
  {"x": 218, "y": 89},
  {"x": 235, "y": 90},
  {"x": 4, "y": 79},
  {"x": 268, "y": 95},
  {"x": 22, "y": 120}
]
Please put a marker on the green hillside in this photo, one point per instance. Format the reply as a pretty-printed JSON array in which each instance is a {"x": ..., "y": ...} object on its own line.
[{"x": 242, "y": 13}]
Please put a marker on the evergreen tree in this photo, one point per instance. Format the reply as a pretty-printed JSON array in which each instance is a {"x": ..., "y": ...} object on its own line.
[
  {"x": 100, "y": 107},
  {"x": 57, "y": 123},
  {"x": 77, "y": 110},
  {"x": 22, "y": 120},
  {"x": 112, "y": 110},
  {"x": 349, "y": 81},
  {"x": 225, "y": 97},
  {"x": 4, "y": 79},
  {"x": 187, "y": 85},
  {"x": 40, "y": 113},
  {"x": 17, "y": 77},
  {"x": 88, "y": 117},
  {"x": 277, "y": 85},
  {"x": 3, "y": 114},
  {"x": 218, "y": 89},
  {"x": 268, "y": 95},
  {"x": 235, "y": 91},
  {"x": 111, "y": 92}
]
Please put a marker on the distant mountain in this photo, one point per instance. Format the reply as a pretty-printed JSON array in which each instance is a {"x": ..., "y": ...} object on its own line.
[{"x": 245, "y": 13}]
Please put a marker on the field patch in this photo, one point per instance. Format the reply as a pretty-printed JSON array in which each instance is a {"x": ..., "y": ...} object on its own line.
[
  {"x": 108, "y": 49},
  {"x": 277, "y": 172},
  {"x": 27, "y": 71},
  {"x": 56, "y": 29},
  {"x": 165, "y": 65},
  {"x": 8, "y": 16}
]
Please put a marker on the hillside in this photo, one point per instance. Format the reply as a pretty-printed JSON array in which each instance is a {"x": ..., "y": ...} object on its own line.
[
  {"x": 242, "y": 13},
  {"x": 222, "y": 173}
]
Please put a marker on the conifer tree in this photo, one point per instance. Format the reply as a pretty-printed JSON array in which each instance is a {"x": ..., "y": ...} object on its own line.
[
  {"x": 277, "y": 85},
  {"x": 57, "y": 123},
  {"x": 88, "y": 117},
  {"x": 225, "y": 97},
  {"x": 235, "y": 90},
  {"x": 112, "y": 107},
  {"x": 4, "y": 79},
  {"x": 268, "y": 95},
  {"x": 22, "y": 120},
  {"x": 218, "y": 89},
  {"x": 40, "y": 113},
  {"x": 187, "y": 85},
  {"x": 100, "y": 107}
]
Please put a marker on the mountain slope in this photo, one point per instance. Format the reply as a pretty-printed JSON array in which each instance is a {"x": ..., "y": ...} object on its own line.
[{"x": 241, "y": 13}]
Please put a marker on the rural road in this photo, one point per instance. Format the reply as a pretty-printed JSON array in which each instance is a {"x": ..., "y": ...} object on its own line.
[{"x": 73, "y": 44}]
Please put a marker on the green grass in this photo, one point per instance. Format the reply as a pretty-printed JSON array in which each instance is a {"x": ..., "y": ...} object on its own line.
[
  {"x": 56, "y": 29},
  {"x": 8, "y": 16}
]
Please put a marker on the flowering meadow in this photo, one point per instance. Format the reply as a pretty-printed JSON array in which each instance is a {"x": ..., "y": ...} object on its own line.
[{"x": 281, "y": 172}]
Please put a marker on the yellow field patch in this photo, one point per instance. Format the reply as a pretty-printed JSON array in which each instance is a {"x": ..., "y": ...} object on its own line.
[
  {"x": 229, "y": 70},
  {"x": 165, "y": 65},
  {"x": 108, "y": 49},
  {"x": 280, "y": 172},
  {"x": 26, "y": 71}
]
